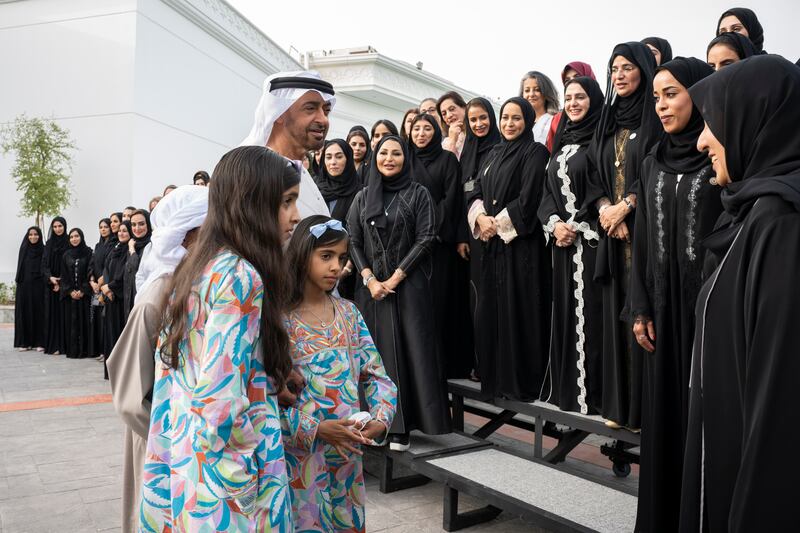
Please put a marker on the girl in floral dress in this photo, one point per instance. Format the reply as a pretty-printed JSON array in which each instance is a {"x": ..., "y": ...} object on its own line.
[
  {"x": 333, "y": 350},
  {"x": 215, "y": 459}
]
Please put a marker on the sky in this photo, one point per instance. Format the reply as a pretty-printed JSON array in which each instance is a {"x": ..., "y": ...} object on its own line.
[{"x": 488, "y": 49}]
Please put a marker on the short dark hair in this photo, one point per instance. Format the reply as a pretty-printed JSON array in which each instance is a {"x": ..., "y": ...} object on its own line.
[
  {"x": 389, "y": 126},
  {"x": 202, "y": 175}
]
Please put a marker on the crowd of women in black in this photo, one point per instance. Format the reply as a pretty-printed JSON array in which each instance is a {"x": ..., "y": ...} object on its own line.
[
  {"x": 556, "y": 256},
  {"x": 72, "y": 299},
  {"x": 559, "y": 255}
]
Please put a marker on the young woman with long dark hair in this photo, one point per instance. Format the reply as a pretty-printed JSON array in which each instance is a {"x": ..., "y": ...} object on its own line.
[{"x": 214, "y": 452}]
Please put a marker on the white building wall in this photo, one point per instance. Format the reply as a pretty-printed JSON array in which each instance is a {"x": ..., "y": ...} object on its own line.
[{"x": 151, "y": 91}]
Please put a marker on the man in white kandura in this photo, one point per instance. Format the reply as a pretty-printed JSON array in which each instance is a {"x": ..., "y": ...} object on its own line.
[{"x": 292, "y": 119}]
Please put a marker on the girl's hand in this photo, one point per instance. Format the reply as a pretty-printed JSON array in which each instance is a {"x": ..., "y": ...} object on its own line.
[
  {"x": 56, "y": 287},
  {"x": 95, "y": 287},
  {"x": 54, "y": 280},
  {"x": 374, "y": 431},
  {"x": 463, "y": 250},
  {"x": 132, "y": 246},
  {"x": 338, "y": 434}
]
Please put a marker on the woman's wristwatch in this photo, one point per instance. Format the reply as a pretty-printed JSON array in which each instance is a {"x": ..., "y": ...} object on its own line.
[{"x": 368, "y": 279}]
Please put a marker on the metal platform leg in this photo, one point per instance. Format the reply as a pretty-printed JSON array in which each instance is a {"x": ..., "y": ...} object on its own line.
[
  {"x": 568, "y": 441},
  {"x": 453, "y": 521},
  {"x": 458, "y": 413},
  {"x": 388, "y": 483}
]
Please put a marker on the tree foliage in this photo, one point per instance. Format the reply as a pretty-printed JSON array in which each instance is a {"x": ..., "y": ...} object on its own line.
[{"x": 43, "y": 164}]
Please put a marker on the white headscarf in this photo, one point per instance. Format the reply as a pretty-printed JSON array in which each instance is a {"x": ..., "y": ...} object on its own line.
[
  {"x": 179, "y": 212},
  {"x": 275, "y": 103}
]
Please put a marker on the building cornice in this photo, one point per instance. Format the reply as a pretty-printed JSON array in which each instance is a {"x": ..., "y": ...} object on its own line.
[
  {"x": 378, "y": 72},
  {"x": 231, "y": 28}
]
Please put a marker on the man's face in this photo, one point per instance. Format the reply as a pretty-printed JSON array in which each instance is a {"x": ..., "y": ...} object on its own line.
[{"x": 307, "y": 121}]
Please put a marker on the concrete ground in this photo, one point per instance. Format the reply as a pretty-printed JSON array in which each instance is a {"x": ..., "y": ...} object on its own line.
[{"x": 61, "y": 453}]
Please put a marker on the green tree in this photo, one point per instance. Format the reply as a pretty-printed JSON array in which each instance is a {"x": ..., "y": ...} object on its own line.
[{"x": 43, "y": 164}]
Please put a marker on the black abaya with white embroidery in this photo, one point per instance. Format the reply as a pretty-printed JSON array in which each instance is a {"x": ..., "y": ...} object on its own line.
[
  {"x": 739, "y": 469},
  {"x": 75, "y": 277},
  {"x": 678, "y": 205},
  {"x": 439, "y": 172},
  {"x": 575, "y": 365},
  {"x": 513, "y": 323},
  {"x": 53, "y": 306},
  {"x": 29, "y": 302}
]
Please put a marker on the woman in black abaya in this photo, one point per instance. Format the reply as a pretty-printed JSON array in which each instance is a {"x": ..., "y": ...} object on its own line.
[
  {"x": 101, "y": 249},
  {"x": 439, "y": 171},
  {"x": 76, "y": 294},
  {"x": 513, "y": 323},
  {"x": 575, "y": 370},
  {"x": 627, "y": 131},
  {"x": 57, "y": 244},
  {"x": 392, "y": 229},
  {"x": 677, "y": 206},
  {"x": 338, "y": 183},
  {"x": 739, "y": 472},
  {"x": 481, "y": 136},
  {"x": 113, "y": 288},
  {"x": 358, "y": 139},
  {"x": 29, "y": 301},
  {"x": 141, "y": 230}
]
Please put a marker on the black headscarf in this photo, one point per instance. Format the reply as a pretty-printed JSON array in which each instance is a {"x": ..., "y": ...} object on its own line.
[
  {"x": 628, "y": 112},
  {"x": 581, "y": 132},
  {"x": 475, "y": 148},
  {"x": 737, "y": 42},
  {"x": 361, "y": 130},
  {"x": 750, "y": 21},
  {"x": 346, "y": 183},
  {"x": 119, "y": 249},
  {"x": 677, "y": 153},
  {"x": 508, "y": 154},
  {"x": 82, "y": 251},
  {"x": 662, "y": 45},
  {"x": 757, "y": 128},
  {"x": 101, "y": 249},
  {"x": 377, "y": 183},
  {"x": 431, "y": 151},
  {"x": 56, "y": 246},
  {"x": 30, "y": 252},
  {"x": 427, "y": 162},
  {"x": 143, "y": 241}
]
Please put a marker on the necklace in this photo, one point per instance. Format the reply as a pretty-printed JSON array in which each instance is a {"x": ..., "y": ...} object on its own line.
[
  {"x": 619, "y": 147},
  {"x": 386, "y": 209},
  {"x": 322, "y": 322}
]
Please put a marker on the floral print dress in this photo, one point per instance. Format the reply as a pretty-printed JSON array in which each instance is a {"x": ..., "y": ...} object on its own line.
[
  {"x": 214, "y": 453},
  {"x": 328, "y": 491}
]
